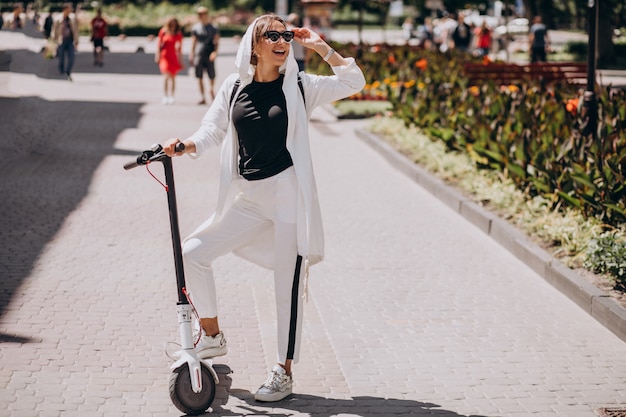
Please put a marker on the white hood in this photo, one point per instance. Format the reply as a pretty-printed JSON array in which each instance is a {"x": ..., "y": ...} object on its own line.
[{"x": 244, "y": 53}]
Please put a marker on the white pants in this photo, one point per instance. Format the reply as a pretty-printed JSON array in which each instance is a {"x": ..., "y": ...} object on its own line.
[{"x": 262, "y": 204}]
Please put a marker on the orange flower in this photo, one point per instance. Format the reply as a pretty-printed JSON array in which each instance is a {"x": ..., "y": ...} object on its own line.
[
  {"x": 474, "y": 90},
  {"x": 486, "y": 60},
  {"x": 572, "y": 106},
  {"x": 421, "y": 64},
  {"x": 392, "y": 59}
]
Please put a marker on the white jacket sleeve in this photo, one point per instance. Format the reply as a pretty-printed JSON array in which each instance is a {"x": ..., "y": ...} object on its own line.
[
  {"x": 323, "y": 89},
  {"x": 215, "y": 122}
]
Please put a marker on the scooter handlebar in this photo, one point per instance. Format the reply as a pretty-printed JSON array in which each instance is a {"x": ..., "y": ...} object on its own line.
[
  {"x": 132, "y": 164},
  {"x": 150, "y": 155}
]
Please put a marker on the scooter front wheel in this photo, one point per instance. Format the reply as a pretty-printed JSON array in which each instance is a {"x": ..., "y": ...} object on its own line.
[{"x": 181, "y": 391}]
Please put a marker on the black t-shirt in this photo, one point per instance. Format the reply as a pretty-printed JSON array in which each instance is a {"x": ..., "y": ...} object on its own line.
[
  {"x": 462, "y": 35},
  {"x": 260, "y": 118},
  {"x": 539, "y": 30},
  {"x": 205, "y": 34}
]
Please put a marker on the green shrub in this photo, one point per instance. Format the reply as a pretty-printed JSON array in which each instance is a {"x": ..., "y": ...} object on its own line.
[
  {"x": 578, "y": 49},
  {"x": 133, "y": 19},
  {"x": 360, "y": 109},
  {"x": 607, "y": 255}
]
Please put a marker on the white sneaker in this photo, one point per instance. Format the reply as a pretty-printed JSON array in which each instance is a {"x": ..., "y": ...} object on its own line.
[
  {"x": 277, "y": 386},
  {"x": 170, "y": 100},
  {"x": 211, "y": 346},
  {"x": 166, "y": 100}
]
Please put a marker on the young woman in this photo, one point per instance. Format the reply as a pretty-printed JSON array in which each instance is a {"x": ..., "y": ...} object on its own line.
[
  {"x": 169, "y": 57},
  {"x": 260, "y": 118},
  {"x": 483, "y": 40}
]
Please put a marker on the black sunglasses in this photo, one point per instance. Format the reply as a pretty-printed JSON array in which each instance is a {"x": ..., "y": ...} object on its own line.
[{"x": 274, "y": 35}]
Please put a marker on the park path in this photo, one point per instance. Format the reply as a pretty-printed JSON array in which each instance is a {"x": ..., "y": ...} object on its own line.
[{"x": 414, "y": 312}]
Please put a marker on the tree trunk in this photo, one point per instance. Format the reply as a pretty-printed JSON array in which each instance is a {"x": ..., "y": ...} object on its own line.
[
  {"x": 548, "y": 13},
  {"x": 530, "y": 8},
  {"x": 606, "y": 54},
  {"x": 543, "y": 8}
]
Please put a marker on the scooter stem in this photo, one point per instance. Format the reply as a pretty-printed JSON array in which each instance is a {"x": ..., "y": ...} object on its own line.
[{"x": 175, "y": 230}]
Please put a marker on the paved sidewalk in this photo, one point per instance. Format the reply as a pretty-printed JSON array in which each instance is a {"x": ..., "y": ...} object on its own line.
[{"x": 414, "y": 312}]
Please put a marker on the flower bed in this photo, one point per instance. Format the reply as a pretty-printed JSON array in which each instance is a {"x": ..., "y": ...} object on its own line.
[{"x": 530, "y": 132}]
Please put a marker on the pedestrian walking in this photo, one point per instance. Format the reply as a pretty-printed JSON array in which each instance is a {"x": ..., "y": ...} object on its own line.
[
  {"x": 462, "y": 35},
  {"x": 65, "y": 34},
  {"x": 204, "y": 42},
  {"x": 47, "y": 26},
  {"x": 408, "y": 29},
  {"x": 483, "y": 40},
  {"x": 425, "y": 35},
  {"x": 538, "y": 40},
  {"x": 268, "y": 210},
  {"x": 169, "y": 57},
  {"x": 17, "y": 22},
  {"x": 98, "y": 33},
  {"x": 443, "y": 32}
]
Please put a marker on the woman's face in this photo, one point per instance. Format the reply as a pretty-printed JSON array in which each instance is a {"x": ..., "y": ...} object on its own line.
[{"x": 272, "y": 53}]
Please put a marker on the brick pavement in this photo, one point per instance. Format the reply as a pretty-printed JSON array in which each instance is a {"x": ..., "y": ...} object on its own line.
[{"x": 414, "y": 312}]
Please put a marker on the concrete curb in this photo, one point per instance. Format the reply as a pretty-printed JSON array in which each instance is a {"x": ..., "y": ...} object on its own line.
[{"x": 594, "y": 301}]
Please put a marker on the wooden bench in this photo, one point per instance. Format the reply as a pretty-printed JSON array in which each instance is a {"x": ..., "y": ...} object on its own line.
[{"x": 573, "y": 73}]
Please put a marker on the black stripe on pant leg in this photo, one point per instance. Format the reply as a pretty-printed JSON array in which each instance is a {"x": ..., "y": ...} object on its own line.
[{"x": 293, "y": 321}]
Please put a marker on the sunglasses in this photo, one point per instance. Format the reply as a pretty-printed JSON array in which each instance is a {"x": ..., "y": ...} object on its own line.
[{"x": 274, "y": 35}]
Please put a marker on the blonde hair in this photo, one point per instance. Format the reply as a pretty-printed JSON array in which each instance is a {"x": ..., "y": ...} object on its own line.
[{"x": 262, "y": 25}]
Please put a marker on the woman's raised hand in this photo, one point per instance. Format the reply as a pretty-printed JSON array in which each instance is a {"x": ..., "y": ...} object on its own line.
[{"x": 307, "y": 37}]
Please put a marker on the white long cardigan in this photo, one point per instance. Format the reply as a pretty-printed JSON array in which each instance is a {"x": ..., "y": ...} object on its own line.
[{"x": 217, "y": 129}]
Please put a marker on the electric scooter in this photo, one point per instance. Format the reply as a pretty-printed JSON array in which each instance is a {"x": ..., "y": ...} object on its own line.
[{"x": 192, "y": 384}]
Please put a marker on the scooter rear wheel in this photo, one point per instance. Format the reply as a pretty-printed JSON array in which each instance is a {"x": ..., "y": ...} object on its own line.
[{"x": 182, "y": 395}]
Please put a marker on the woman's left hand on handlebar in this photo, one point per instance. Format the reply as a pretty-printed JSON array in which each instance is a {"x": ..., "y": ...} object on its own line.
[{"x": 169, "y": 147}]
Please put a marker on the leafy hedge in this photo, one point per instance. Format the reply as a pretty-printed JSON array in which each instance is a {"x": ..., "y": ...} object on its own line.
[
  {"x": 530, "y": 132},
  {"x": 146, "y": 18}
]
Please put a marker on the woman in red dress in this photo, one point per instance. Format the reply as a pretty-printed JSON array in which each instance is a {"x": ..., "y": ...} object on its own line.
[
  {"x": 169, "y": 56},
  {"x": 483, "y": 44}
]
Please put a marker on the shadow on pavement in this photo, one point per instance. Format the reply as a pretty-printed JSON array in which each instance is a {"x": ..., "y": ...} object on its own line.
[
  {"x": 315, "y": 406},
  {"x": 29, "y": 62},
  {"x": 51, "y": 150}
]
